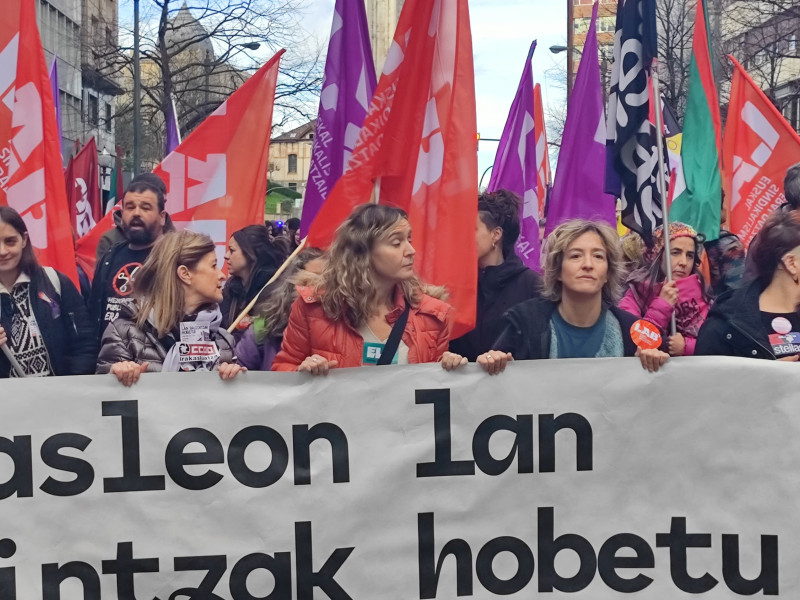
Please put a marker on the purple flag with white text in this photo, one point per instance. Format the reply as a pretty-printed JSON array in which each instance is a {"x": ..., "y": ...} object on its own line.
[
  {"x": 578, "y": 189},
  {"x": 515, "y": 165},
  {"x": 56, "y": 97},
  {"x": 346, "y": 94},
  {"x": 173, "y": 137}
]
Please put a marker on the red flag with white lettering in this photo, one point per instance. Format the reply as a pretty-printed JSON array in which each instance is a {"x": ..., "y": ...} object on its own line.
[
  {"x": 83, "y": 189},
  {"x": 542, "y": 153},
  {"x": 418, "y": 139},
  {"x": 217, "y": 177},
  {"x": 758, "y": 147},
  {"x": 31, "y": 173}
]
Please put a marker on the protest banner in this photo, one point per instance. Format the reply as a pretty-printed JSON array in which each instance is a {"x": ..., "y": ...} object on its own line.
[{"x": 590, "y": 479}]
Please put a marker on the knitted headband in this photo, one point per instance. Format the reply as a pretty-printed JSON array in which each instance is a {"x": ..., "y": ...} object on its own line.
[{"x": 676, "y": 230}]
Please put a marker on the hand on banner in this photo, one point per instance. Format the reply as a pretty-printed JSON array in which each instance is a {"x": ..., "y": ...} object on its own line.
[
  {"x": 228, "y": 371},
  {"x": 3, "y": 336},
  {"x": 676, "y": 344},
  {"x": 653, "y": 359},
  {"x": 317, "y": 365},
  {"x": 128, "y": 372},
  {"x": 494, "y": 361},
  {"x": 451, "y": 361},
  {"x": 670, "y": 292},
  {"x": 794, "y": 358}
]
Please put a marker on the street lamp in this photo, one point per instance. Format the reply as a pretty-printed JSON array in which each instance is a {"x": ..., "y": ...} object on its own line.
[{"x": 568, "y": 50}]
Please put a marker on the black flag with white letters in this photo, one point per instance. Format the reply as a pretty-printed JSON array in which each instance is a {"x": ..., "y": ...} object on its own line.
[{"x": 631, "y": 153}]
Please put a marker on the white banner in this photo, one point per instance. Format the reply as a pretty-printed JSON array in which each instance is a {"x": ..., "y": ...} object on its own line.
[{"x": 589, "y": 479}]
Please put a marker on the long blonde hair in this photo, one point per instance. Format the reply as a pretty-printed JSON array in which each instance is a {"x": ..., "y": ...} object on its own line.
[
  {"x": 346, "y": 288},
  {"x": 156, "y": 284},
  {"x": 556, "y": 247}
]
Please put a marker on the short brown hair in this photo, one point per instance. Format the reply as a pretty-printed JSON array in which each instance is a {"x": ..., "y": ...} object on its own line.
[{"x": 562, "y": 238}]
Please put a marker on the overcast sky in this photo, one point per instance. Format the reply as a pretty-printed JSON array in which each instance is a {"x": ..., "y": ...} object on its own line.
[{"x": 502, "y": 31}]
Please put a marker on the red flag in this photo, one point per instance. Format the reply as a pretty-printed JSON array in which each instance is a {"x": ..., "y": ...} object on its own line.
[
  {"x": 757, "y": 149},
  {"x": 83, "y": 189},
  {"x": 217, "y": 177},
  {"x": 419, "y": 141},
  {"x": 31, "y": 173},
  {"x": 542, "y": 154}
]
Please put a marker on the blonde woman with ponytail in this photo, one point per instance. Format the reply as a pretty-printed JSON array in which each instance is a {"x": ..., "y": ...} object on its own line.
[{"x": 175, "y": 324}]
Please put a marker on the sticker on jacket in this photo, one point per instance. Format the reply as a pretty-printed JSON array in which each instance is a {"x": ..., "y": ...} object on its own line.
[
  {"x": 197, "y": 356},
  {"x": 372, "y": 354}
]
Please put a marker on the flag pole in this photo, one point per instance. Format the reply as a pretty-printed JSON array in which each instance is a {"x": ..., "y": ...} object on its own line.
[
  {"x": 660, "y": 179},
  {"x": 12, "y": 360},
  {"x": 277, "y": 274}
]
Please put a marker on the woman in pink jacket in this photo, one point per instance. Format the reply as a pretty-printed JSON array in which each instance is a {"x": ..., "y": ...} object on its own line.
[{"x": 653, "y": 298}]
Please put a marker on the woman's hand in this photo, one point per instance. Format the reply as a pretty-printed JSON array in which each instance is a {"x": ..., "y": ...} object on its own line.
[
  {"x": 784, "y": 359},
  {"x": 676, "y": 345},
  {"x": 228, "y": 371},
  {"x": 669, "y": 292},
  {"x": 494, "y": 361},
  {"x": 317, "y": 365},
  {"x": 451, "y": 361},
  {"x": 128, "y": 372},
  {"x": 3, "y": 336},
  {"x": 653, "y": 359}
]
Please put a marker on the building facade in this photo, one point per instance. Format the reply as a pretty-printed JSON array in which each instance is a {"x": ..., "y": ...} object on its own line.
[
  {"x": 382, "y": 18},
  {"x": 82, "y": 36},
  {"x": 579, "y": 18},
  {"x": 290, "y": 161}
]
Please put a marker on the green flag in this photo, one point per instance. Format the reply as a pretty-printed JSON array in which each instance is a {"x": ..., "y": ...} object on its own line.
[{"x": 699, "y": 204}]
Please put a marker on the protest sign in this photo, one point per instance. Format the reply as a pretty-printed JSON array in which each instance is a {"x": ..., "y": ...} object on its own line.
[{"x": 590, "y": 479}]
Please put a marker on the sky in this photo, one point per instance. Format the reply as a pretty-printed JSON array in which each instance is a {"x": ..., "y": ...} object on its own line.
[{"x": 502, "y": 31}]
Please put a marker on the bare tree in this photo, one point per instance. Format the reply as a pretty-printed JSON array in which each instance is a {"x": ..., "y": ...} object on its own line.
[
  {"x": 200, "y": 53},
  {"x": 675, "y": 23}
]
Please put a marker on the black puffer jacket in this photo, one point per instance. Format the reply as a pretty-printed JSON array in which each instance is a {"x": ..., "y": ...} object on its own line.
[
  {"x": 527, "y": 331},
  {"x": 123, "y": 340},
  {"x": 734, "y": 328},
  {"x": 63, "y": 322},
  {"x": 499, "y": 288}
]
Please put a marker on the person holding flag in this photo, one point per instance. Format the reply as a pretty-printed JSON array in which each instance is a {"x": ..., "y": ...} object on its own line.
[
  {"x": 655, "y": 299},
  {"x": 369, "y": 308},
  {"x": 44, "y": 326}
]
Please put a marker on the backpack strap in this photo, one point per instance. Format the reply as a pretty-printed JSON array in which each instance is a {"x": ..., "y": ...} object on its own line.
[
  {"x": 52, "y": 275},
  {"x": 393, "y": 343}
]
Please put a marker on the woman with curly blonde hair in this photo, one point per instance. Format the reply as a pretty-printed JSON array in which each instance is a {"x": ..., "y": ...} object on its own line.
[
  {"x": 577, "y": 316},
  {"x": 369, "y": 306}
]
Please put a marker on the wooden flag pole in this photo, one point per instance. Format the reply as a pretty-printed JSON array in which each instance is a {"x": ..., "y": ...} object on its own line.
[
  {"x": 277, "y": 274},
  {"x": 661, "y": 182}
]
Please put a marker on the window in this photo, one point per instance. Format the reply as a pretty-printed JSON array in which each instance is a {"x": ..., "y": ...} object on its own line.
[
  {"x": 293, "y": 186},
  {"x": 293, "y": 163},
  {"x": 793, "y": 44},
  {"x": 107, "y": 116},
  {"x": 93, "y": 111},
  {"x": 311, "y": 136}
]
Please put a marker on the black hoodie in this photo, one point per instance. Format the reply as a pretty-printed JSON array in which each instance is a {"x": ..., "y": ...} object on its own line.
[
  {"x": 499, "y": 288},
  {"x": 734, "y": 326}
]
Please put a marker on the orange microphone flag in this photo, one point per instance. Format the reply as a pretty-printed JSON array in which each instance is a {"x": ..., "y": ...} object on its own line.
[
  {"x": 217, "y": 177},
  {"x": 31, "y": 172},
  {"x": 418, "y": 142},
  {"x": 758, "y": 147}
]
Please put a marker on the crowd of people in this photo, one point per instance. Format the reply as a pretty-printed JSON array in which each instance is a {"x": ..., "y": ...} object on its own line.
[{"x": 159, "y": 300}]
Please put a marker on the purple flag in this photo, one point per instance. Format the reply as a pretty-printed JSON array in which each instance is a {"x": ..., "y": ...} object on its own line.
[
  {"x": 56, "y": 97},
  {"x": 515, "y": 165},
  {"x": 173, "y": 132},
  {"x": 346, "y": 94},
  {"x": 580, "y": 177}
]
